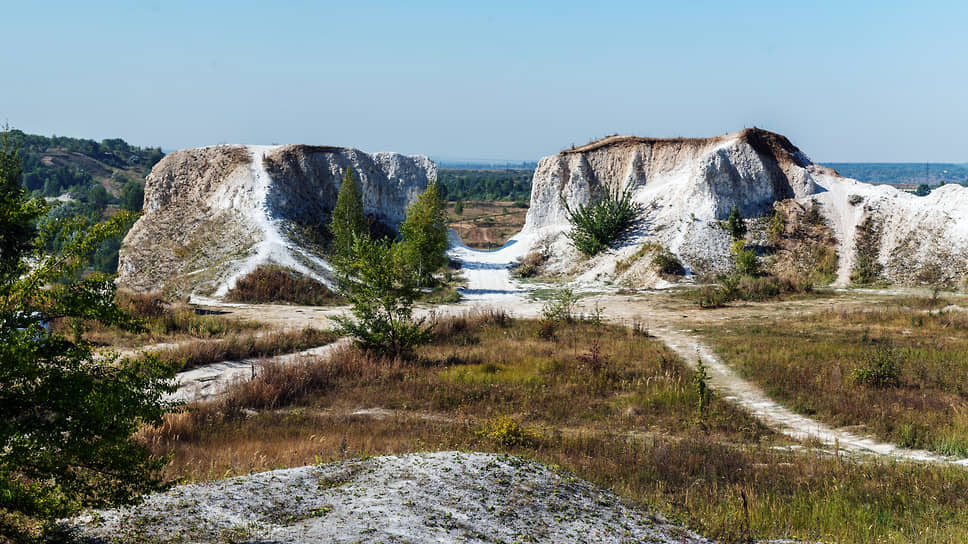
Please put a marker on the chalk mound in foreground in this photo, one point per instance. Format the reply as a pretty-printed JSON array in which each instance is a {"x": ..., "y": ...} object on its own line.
[{"x": 432, "y": 497}]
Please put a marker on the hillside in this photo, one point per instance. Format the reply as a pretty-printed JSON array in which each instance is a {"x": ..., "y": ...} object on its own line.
[
  {"x": 687, "y": 188},
  {"x": 57, "y": 165},
  {"x": 212, "y": 215}
]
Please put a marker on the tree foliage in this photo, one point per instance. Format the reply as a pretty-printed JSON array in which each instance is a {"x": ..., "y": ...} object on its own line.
[
  {"x": 66, "y": 417},
  {"x": 381, "y": 285},
  {"x": 736, "y": 224},
  {"x": 596, "y": 226},
  {"x": 424, "y": 234},
  {"x": 347, "y": 220}
]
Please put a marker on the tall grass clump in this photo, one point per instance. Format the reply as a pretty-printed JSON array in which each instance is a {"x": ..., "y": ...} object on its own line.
[
  {"x": 596, "y": 226},
  {"x": 268, "y": 284}
]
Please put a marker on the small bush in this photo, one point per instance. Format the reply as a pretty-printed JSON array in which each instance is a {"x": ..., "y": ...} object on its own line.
[
  {"x": 596, "y": 226},
  {"x": 667, "y": 264},
  {"x": 854, "y": 200},
  {"x": 530, "y": 265},
  {"x": 268, "y": 284},
  {"x": 561, "y": 306},
  {"x": 879, "y": 369},
  {"x": 814, "y": 215},
  {"x": 736, "y": 225},
  {"x": 868, "y": 242},
  {"x": 508, "y": 432}
]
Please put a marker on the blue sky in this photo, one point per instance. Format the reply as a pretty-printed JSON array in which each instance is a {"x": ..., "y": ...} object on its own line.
[{"x": 846, "y": 81}]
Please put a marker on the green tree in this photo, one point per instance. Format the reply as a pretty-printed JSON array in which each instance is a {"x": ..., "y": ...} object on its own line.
[
  {"x": 736, "y": 225},
  {"x": 132, "y": 196},
  {"x": 596, "y": 226},
  {"x": 424, "y": 234},
  {"x": 377, "y": 279},
  {"x": 459, "y": 207},
  {"x": 67, "y": 418},
  {"x": 347, "y": 220}
]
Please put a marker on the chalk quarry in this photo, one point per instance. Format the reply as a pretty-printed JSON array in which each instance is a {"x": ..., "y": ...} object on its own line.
[
  {"x": 214, "y": 214},
  {"x": 687, "y": 187}
]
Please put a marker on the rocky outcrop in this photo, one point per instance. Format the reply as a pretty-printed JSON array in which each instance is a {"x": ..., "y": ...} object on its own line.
[
  {"x": 214, "y": 214},
  {"x": 688, "y": 186}
]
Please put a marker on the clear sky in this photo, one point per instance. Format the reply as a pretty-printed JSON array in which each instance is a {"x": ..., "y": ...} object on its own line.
[{"x": 844, "y": 80}]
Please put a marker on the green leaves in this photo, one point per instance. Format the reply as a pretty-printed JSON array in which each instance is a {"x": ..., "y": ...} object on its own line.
[
  {"x": 347, "y": 220},
  {"x": 67, "y": 418},
  {"x": 379, "y": 282},
  {"x": 424, "y": 234},
  {"x": 596, "y": 226}
]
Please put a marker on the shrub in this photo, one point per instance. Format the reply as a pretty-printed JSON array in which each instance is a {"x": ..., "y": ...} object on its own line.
[
  {"x": 879, "y": 369},
  {"x": 277, "y": 284},
  {"x": 508, "y": 432},
  {"x": 530, "y": 265},
  {"x": 747, "y": 263},
  {"x": 667, "y": 264},
  {"x": 854, "y": 200},
  {"x": 868, "y": 241},
  {"x": 736, "y": 225},
  {"x": 596, "y": 226},
  {"x": 561, "y": 306}
]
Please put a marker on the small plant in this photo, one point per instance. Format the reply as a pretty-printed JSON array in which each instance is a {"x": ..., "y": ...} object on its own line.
[
  {"x": 777, "y": 227},
  {"x": 561, "y": 306},
  {"x": 508, "y": 432},
  {"x": 594, "y": 359},
  {"x": 596, "y": 226},
  {"x": 879, "y": 369},
  {"x": 735, "y": 224},
  {"x": 268, "y": 284},
  {"x": 854, "y": 200},
  {"x": 747, "y": 263},
  {"x": 667, "y": 263},
  {"x": 814, "y": 215},
  {"x": 699, "y": 378},
  {"x": 867, "y": 269}
]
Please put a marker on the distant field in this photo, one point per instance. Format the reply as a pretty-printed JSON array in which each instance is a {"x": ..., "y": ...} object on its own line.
[
  {"x": 906, "y": 173},
  {"x": 486, "y": 225}
]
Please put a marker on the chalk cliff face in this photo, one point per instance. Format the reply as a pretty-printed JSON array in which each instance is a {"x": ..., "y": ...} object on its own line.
[
  {"x": 214, "y": 214},
  {"x": 688, "y": 186}
]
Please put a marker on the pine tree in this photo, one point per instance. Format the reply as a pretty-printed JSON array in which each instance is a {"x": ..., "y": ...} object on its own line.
[
  {"x": 347, "y": 220},
  {"x": 459, "y": 207},
  {"x": 377, "y": 279},
  {"x": 735, "y": 224},
  {"x": 424, "y": 234}
]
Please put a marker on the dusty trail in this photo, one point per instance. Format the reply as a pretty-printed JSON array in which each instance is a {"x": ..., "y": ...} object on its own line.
[{"x": 489, "y": 284}]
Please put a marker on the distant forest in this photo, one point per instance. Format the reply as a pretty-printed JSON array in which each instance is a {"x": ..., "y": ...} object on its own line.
[
  {"x": 903, "y": 172},
  {"x": 88, "y": 179},
  {"x": 510, "y": 185}
]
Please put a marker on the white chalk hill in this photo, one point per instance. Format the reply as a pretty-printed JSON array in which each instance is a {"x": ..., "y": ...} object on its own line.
[
  {"x": 687, "y": 186},
  {"x": 214, "y": 214}
]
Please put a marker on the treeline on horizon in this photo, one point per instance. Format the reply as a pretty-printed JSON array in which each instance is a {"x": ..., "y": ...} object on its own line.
[
  {"x": 903, "y": 172},
  {"x": 502, "y": 185},
  {"x": 78, "y": 171}
]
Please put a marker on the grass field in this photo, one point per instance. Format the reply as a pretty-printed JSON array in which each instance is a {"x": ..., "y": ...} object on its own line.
[
  {"x": 897, "y": 371},
  {"x": 612, "y": 406},
  {"x": 486, "y": 225}
]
